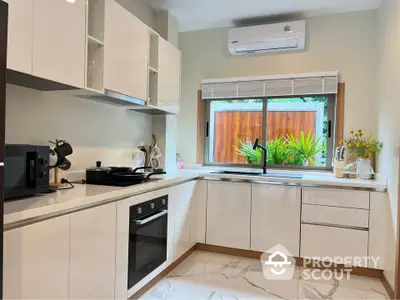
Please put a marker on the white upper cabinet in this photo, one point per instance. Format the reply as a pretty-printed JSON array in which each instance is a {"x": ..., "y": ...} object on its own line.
[
  {"x": 126, "y": 52},
  {"x": 59, "y": 41},
  {"x": 228, "y": 214},
  {"x": 20, "y": 34},
  {"x": 36, "y": 260},
  {"x": 275, "y": 217},
  {"x": 93, "y": 248},
  {"x": 169, "y": 74}
]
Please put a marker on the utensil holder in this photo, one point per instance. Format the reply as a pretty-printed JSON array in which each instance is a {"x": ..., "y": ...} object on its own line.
[{"x": 338, "y": 168}]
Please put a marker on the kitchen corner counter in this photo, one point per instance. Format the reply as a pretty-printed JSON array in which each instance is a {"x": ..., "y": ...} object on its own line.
[
  {"x": 309, "y": 178},
  {"x": 82, "y": 196},
  {"x": 317, "y": 180}
]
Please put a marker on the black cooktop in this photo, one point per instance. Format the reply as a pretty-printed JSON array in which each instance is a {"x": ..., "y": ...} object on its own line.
[
  {"x": 122, "y": 177},
  {"x": 124, "y": 183}
]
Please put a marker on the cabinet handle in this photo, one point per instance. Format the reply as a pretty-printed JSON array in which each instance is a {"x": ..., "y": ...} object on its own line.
[
  {"x": 336, "y": 226},
  {"x": 149, "y": 219}
]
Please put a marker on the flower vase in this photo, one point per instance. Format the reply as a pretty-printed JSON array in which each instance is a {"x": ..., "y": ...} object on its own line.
[{"x": 364, "y": 169}]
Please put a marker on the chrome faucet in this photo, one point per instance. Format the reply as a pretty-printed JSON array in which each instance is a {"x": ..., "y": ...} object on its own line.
[{"x": 264, "y": 156}]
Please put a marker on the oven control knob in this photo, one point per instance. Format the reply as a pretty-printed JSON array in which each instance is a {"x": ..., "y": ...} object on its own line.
[
  {"x": 42, "y": 174},
  {"x": 139, "y": 210},
  {"x": 152, "y": 205},
  {"x": 163, "y": 201}
]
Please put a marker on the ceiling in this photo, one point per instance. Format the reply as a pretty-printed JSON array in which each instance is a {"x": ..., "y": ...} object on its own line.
[{"x": 201, "y": 14}]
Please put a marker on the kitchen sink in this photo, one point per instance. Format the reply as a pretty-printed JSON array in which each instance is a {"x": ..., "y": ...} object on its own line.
[
  {"x": 283, "y": 175},
  {"x": 237, "y": 173},
  {"x": 272, "y": 175}
]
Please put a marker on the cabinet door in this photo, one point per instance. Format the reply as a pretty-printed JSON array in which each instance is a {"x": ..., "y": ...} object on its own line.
[
  {"x": 20, "y": 33},
  {"x": 169, "y": 74},
  {"x": 126, "y": 52},
  {"x": 378, "y": 229},
  {"x": 330, "y": 242},
  {"x": 199, "y": 212},
  {"x": 93, "y": 243},
  {"x": 36, "y": 260},
  {"x": 59, "y": 35},
  {"x": 275, "y": 217},
  {"x": 228, "y": 214},
  {"x": 180, "y": 199}
]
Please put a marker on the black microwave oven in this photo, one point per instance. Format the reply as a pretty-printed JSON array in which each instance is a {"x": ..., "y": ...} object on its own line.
[{"x": 26, "y": 170}]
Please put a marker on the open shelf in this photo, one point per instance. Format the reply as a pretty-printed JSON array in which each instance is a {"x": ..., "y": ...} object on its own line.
[
  {"x": 153, "y": 60},
  {"x": 95, "y": 66},
  {"x": 96, "y": 15},
  {"x": 153, "y": 87},
  {"x": 95, "y": 45}
]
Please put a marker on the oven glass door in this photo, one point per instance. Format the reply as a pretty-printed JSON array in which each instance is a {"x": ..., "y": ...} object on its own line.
[
  {"x": 147, "y": 246},
  {"x": 19, "y": 171}
]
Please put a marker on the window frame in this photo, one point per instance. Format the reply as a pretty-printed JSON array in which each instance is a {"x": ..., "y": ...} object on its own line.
[{"x": 332, "y": 99}]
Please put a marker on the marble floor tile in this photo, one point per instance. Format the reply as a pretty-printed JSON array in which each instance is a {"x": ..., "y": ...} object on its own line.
[{"x": 210, "y": 276}]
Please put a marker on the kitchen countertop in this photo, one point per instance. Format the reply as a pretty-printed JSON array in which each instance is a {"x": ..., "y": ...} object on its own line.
[
  {"x": 325, "y": 180},
  {"x": 85, "y": 196},
  {"x": 82, "y": 196}
]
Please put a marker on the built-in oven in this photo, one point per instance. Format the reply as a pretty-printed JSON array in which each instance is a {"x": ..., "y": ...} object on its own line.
[{"x": 147, "y": 238}]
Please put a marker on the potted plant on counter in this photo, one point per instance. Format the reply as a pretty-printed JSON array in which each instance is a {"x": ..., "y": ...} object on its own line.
[{"x": 364, "y": 146}]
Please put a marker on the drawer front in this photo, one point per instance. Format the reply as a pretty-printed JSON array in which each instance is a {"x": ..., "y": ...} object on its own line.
[
  {"x": 340, "y": 216},
  {"x": 336, "y": 197},
  {"x": 323, "y": 241}
]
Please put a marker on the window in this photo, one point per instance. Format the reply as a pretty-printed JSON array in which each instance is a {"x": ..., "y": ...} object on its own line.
[{"x": 297, "y": 131}]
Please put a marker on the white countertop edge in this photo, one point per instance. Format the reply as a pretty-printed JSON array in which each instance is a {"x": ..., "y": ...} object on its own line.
[
  {"x": 65, "y": 205},
  {"x": 334, "y": 182},
  {"x": 116, "y": 195}
]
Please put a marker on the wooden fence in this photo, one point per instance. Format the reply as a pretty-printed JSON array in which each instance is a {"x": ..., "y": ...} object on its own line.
[{"x": 233, "y": 125}]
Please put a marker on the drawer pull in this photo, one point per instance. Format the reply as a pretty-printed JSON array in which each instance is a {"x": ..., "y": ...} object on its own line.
[{"x": 336, "y": 226}]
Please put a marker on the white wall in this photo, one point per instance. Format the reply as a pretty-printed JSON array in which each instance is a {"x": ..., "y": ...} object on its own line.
[
  {"x": 389, "y": 116},
  {"x": 96, "y": 131},
  {"x": 140, "y": 9},
  {"x": 344, "y": 42}
]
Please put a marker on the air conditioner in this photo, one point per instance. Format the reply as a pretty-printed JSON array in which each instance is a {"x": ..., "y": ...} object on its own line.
[{"x": 278, "y": 37}]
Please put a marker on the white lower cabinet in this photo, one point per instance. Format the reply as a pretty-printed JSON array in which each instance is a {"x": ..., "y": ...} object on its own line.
[
  {"x": 199, "y": 209},
  {"x": 331, "y": 242},
  {"x": 92, "y": 253},
  {"x": 275, "y": 217},
  {"x": 228, "y": 214},
  {"x": 336, "y": 197},
  {"x": 36, "y": 260},
  {"x": 378, "y": 229},
  {"x": 180, "y": 203}
]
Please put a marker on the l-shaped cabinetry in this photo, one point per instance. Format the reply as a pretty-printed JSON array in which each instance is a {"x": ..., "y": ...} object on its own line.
[
  {"x": 308, "y": 222},
  {"x": 93, "y": 46},
  {"x": 84, "y": 254}
]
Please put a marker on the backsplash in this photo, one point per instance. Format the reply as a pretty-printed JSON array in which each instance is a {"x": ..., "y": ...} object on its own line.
[{"x": 96, "y": 131}]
